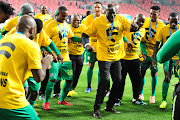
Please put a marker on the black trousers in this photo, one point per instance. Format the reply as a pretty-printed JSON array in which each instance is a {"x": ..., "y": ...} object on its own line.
[
  {"x": 77, "y": 64},
  {"x": 132, "y": 67},
  {"x": 176, "y": 103},
  {"x": 44, "y": 83},
  {"x": 106, "y": 68}
]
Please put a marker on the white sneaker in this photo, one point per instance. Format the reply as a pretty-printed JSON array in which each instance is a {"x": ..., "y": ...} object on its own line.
[{"x": 42, "y": 97}]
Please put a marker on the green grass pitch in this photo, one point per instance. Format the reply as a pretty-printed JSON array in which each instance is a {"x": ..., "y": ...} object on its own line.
[{"x": 82, "y": 108}]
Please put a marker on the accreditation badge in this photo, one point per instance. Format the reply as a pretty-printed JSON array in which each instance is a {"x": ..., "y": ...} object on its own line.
[{"x": 110, "y": 37}]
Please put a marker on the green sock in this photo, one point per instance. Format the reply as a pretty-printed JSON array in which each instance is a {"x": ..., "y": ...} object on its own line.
[
  {"x": 89, "y": 76},
  {"x": 165, "y": 87},
  {"x": 49, "y": 89},
  {"x": 142, "y": 85},
  {"x": 99, "y": 77},
  {"x": 65, "y": 90},
  {"x": 153, "y": 83},
  {"x": 31, "y": 102}
]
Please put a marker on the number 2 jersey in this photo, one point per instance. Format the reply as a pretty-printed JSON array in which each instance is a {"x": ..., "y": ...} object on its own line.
[
  {"x": 109, "y": 49},
  {"x": 53, "y": 31}
]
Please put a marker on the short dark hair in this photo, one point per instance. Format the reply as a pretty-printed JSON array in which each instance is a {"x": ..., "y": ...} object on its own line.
[
  {"x": 88, "y": 13},
  {"x": 98, "y": 3},
  {"x": 173, "y": 14},
  {"x": 6, "y": 8},
  {"x": 155, "y": 8},
  {"x": 62, "y": 8}
]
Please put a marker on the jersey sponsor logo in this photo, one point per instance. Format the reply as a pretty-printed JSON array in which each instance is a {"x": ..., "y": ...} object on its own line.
[
  {"x": 3, "y": 82},
  {"x": 93, "y": 40},
  {"x": 4, "y": 52},
  {"x": 3, "y": 73},
  {"x": 132, "y": 51},
  {"x": 63, "y": 50},
  {"x": 113, "y": 49},
  {"x": 114, "y": 32}
]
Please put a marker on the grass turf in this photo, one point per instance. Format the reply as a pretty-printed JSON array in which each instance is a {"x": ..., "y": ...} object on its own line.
[{"x": 82, "y": 108}]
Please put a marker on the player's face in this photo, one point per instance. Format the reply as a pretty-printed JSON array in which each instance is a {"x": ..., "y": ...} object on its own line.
[
  {"x": 140, "y": 21},
  {"x": 97, "y": 9},
  {"x": 4, "y": 17},
  {"x": 154, "y": 14},
  {"x": 173, "y": 21},
  {"x": 75, "y": 21},
  {"x": 62, "y": 16},
  {"x": 44, "y": 10},
  {"x": 111, "y": 13}
]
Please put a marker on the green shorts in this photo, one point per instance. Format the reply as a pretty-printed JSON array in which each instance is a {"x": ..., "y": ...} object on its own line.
[
  {"x": 166, "y": 66},
  {"x": 91, "y": 57},
  {"x": 26, "y": 113},
  {"x": 148, "y": 64},
  {"x": 60, "y": 71},
  {"x": 31, "y": 84}
]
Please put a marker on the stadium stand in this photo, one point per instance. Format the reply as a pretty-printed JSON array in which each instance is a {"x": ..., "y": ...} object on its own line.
[{"x": 77, "y": 7}]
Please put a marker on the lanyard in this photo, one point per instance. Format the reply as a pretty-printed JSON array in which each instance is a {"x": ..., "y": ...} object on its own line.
[
  {"x": 137, "y": 34},
  {"x": 94, "y": 16},
  {"x": 170, "y": 29},
  {"x": 20, "y": 33},
  {"x": 61, "y": 30},
  {"x": 150, "y": 27},
  {"x": 110, "y": 27}
]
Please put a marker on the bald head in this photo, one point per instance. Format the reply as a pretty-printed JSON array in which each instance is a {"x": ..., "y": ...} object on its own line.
[
  {"x": 117, "y": 8},
  {"x": 75, "y": 21},
  {"x": 27, "y": 25},
  {"x": 139, "y": 19},
  {"x": 44, "y": 9}
]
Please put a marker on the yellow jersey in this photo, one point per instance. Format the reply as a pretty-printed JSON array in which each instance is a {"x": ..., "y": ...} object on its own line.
[
  {"x": 135, "y": 38},
  {"x": 43, "y": 17},
  {"x": 76, "y": 48},
  {"x": 82, "y": 22},
  {"x": 55, "y": 34},
  {"x": 163, "y": 35},
  {"x": 92, "y": 40},
  {"x": 41, "y": 39},
  {"x": 11, "y": 23},
  {"x": 109, "y": 48},
  {"x": 18, "y": 54},
  {"x": 151, "y": 41},
  {"x": 47, "y": 22}
]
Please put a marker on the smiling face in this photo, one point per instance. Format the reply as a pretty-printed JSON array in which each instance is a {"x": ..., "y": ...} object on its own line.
[
  {"x": 154, "y": 14},
  {"x": 75, "y": 21},
  {"x": 97, "y": 9},
  {"x": 62, "y": 16}
]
